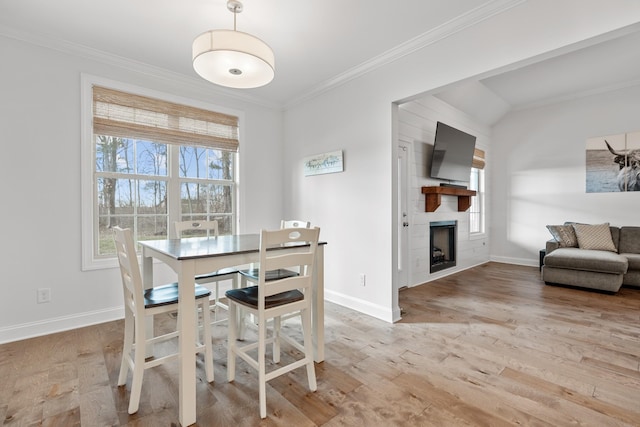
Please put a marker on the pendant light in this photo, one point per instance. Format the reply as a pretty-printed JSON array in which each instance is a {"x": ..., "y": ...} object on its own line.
[{"x": 232, "y": 58}]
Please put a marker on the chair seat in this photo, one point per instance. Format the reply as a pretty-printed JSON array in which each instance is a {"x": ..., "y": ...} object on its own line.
[
  {"x": 214, "y": 274},
  {"x": 249, "y": 297},
  {"x": 270, "y": 275},
  {"x": 168, "y": 294}
]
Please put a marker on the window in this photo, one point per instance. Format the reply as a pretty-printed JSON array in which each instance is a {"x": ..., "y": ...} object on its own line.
[
  {"x": 476, "y": 182},
  {"x": 154, "y": 162}
]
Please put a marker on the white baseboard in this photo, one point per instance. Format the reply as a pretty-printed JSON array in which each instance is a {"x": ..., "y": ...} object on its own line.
[
  {"x": 59, "y": 324},
  {"x": 517, "y": 261},
  {"x": 373, "y": 310}
]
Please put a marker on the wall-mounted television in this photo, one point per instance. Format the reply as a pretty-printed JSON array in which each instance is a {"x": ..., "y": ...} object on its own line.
[{"x": 452, "y": 154}]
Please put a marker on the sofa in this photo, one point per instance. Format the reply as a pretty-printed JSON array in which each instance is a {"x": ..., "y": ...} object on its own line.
[{"x": 599, "y": 256}]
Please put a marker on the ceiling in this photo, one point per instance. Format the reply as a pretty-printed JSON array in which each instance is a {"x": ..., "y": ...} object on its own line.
[
  {"x": 315, "y": 42},
  {"x": 600, "y": 67}
]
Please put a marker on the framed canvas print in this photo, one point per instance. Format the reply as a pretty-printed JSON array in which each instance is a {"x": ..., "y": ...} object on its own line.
[
  {"x": 613, "y": 163},
  {"x": 323, "y": 163}
]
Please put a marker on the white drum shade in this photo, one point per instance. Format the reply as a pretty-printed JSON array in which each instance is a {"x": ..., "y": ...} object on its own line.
[{"x": 233, "y": 59}]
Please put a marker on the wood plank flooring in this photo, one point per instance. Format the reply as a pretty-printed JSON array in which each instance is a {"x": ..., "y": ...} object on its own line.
[{"x": 490, "y": 346}]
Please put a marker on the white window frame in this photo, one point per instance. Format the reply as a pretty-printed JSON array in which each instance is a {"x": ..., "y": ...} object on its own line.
[
  {"x": 478, "y": 201},
  {"x": 87, "y": 156}
]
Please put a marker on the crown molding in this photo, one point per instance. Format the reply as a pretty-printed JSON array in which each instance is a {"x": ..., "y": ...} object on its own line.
[
  {"x": 459, "y": 23},
  {"x": 455, "y": 25},
  {"x": 89, "y": 53}
]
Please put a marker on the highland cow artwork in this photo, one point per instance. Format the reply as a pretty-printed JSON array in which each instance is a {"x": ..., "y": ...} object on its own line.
[{"x": 613, "y": 163}]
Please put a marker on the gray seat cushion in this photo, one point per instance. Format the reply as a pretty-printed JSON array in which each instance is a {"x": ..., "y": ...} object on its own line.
[
  {"x": 634, "y": 261},
  {"x": 588, "y": 260}
]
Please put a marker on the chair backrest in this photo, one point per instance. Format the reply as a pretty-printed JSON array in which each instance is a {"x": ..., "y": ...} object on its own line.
[
  {"x": 276, "y": 259},
  {"x": 129, "y": 268},
  {"x": 197, "y": 228},
  {"x": 294, "y": 223}
]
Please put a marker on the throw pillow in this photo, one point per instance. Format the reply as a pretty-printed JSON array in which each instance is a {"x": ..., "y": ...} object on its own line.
[
  {"x": 596, "y": 237},
  {"x": 564, "y": 235}
]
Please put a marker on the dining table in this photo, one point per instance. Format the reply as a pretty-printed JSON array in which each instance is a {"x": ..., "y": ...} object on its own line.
[{"x": 193, "y": 256}]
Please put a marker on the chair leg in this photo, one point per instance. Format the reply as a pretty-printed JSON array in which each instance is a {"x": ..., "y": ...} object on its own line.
[
  {"x": 231, "y": 341},
  {"x": 138, "y": 365},
  {"x": 127, "y": 346},
  {"x": 206, "y": 339},
  {"x": 241, "y": 314},
  {"x": 262, "y": 368},
  {"x": 215, "y": 302},
  {"x": 277, "y": 322},
  {"x": 308, "y": 348}
]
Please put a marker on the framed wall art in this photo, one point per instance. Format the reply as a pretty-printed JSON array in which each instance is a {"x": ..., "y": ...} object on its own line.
[
  {"x": 613, "y": 163},
  {"x": 323, "y": 163}
]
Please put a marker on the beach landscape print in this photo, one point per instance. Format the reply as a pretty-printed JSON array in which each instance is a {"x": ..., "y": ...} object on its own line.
[{"x": 613, "y": 163}]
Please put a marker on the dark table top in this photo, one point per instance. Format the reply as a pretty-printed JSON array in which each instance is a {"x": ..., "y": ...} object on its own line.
[{"x": 202, "y": 247}]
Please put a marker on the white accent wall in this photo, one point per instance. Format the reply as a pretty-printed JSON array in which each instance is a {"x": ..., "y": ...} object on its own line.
[
  {"x": 542, "y": 173},
  {"x": 417, "y": 126}
]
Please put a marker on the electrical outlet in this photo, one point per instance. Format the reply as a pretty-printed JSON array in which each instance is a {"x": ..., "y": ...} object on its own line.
[
  {"x": 363, "y": 279},
  {"x": 44, "y": 295}
]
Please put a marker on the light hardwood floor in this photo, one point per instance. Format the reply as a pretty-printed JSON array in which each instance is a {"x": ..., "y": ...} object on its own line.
[{"x": 490, "y": 346}]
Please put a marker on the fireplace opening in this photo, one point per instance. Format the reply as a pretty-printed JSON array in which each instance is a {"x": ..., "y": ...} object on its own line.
[{"x": 442, "y": 245}]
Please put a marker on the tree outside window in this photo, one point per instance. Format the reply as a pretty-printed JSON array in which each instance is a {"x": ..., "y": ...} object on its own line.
[{"x": 134, "y": 188}]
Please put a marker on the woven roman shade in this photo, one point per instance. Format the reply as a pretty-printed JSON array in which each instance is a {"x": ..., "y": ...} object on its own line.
[
  {"x": 126, "y": 115},
  {"x": 478, "y": 159}
]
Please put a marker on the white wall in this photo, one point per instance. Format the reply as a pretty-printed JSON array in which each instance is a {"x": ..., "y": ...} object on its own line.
[
  {"x": 356, "y": 208},
  {"x": 542, "y": 175},
  {"x": 40, "y": 184},
  {"x": 417, "y": 126}
]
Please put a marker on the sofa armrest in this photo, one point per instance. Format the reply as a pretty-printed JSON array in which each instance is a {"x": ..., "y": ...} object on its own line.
[{"x": 552, "y": 245}]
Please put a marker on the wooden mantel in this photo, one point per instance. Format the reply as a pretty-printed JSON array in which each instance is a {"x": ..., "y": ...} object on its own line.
[{"x": 433, "y": 197}]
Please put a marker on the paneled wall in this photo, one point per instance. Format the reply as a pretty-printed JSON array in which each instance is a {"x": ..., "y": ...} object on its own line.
[{"x": 417, "y": 127}]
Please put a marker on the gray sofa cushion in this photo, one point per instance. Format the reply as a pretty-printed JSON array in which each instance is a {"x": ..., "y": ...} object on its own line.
[
  {"x": 588, "y": 260},
  {"x": 634, "y": 261},
  {"x": 629, "y": 240}
]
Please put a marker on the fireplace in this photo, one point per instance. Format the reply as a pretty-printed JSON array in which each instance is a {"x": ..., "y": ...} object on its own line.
[{"x": 442, "y": 247}]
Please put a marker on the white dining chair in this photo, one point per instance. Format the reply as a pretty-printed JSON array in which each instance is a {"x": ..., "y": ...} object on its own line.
[
  {"x": 140, "y": 303},
  {"x": 251, "y": 274},
  {"x": 273, "y": 299},
  {"x": 209, "y": 229}
]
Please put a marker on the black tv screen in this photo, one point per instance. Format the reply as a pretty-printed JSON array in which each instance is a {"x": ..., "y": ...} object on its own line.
[{"x": 452, "y": 154}]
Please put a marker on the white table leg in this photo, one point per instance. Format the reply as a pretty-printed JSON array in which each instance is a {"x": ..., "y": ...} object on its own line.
[{"x": 187, "y": 327}]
